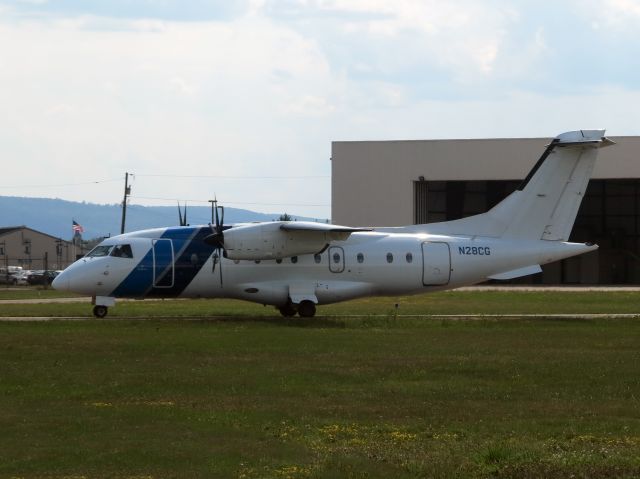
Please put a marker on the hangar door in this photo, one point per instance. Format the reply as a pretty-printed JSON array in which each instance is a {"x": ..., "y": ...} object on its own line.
[{"x": 436, "y": 264}]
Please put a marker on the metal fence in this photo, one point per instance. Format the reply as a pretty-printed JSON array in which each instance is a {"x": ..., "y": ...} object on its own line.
[{"x": 46, "y": 262}]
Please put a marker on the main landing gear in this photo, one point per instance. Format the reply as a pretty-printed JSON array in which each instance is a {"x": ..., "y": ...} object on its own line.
[
  {"x": 306, "y": 309},
  {"x": 100, "y": 311}
]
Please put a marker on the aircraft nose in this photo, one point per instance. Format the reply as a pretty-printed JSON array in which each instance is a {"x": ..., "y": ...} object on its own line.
[{"x": 61, "y": 282}]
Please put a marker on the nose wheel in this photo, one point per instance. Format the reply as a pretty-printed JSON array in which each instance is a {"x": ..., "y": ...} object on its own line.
[{"x": 100, "y": 311}]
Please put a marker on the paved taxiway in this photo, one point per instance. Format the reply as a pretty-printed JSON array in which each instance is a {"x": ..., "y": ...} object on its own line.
[
  {"x": 426, "y": 316},
  {"x": 460, "y": 317}
]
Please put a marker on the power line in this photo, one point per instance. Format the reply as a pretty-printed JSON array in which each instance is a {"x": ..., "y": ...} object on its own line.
[
  {"x": 229, "y": 202},
  {"x": 228, "y": 177},
  {"x": 57, "y": 185}
]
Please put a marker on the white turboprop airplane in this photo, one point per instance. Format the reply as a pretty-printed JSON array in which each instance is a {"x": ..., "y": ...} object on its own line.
[{"x": 298, "y": 265}]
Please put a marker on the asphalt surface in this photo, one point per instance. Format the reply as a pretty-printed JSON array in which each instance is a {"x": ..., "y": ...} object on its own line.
[
  {"x": 466, "y": 288},
  {"x": 461, "y": 317}
]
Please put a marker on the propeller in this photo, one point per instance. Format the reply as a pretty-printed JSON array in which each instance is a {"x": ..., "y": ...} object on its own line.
[{"x": 216, "y": 239}]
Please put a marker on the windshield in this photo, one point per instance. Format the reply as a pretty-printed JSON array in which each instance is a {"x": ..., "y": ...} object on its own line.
[
  {"x": 122, "y": 251},
  {"x": 102, "y": 250}
]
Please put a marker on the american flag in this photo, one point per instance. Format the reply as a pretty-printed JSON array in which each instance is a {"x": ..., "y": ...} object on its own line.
[{"x": 77, "y": 228}]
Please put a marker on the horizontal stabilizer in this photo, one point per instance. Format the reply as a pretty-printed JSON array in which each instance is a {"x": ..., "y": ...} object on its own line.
[{"x": 517, "y": 273}]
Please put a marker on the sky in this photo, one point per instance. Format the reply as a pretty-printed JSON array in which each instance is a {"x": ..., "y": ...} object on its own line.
[{"x": 241, "y": 99}]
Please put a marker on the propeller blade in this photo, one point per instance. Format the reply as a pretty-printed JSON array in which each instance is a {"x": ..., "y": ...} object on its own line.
[
  {"x": 217, "y": 258},
  {"x": 221, "y": 224},
  {"x": 216, "y": 240}
]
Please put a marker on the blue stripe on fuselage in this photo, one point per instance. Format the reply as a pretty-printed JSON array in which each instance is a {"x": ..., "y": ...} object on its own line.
[{"x": 191, "y": 255}]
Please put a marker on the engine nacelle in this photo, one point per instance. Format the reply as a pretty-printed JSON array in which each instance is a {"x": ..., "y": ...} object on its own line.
[{"x": 269, "y": 241}]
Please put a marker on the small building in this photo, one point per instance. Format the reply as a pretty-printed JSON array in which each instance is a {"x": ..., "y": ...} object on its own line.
[
  {"x": 32, "y": 250},
  {"x": 396, "y": 183}
]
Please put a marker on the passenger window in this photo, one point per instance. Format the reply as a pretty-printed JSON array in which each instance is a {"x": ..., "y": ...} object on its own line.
[
  {"x": 317, "y": 258},
  {"x": 100, "y": 251},
  {"x": 389, "y": 258},
  {"x": 336, "y": 258},
  {"x": 294, "y": 259},
  {"x": 409, "y": 257},
  {"x": 122, "y": 251},
  {"x": 360, "y": 258},
  {"x": 278, "y": 261}
]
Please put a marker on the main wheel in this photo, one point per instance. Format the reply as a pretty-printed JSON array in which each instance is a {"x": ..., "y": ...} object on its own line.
[
  {"x": 307, "y": 309},
  {"x": 100, "y": 311},
  {"x": 287, "y": 310}
]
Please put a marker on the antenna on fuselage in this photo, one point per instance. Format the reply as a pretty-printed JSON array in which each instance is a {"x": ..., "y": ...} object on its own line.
[{"x": 182, "y": 218}]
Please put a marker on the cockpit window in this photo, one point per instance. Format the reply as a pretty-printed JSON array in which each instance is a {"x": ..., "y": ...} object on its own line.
[
  {"x": 102, "y": 250},
  {"x": 122, "y": 251}
]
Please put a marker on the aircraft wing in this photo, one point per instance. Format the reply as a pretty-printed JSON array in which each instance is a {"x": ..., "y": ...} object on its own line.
[
  {"x": 281, "y": 239},
  {"x": 323, "y": 229}
]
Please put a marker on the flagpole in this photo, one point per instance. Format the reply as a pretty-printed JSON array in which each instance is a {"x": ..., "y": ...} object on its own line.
[
  {"x": 77, "y": 234},
  {"x": 73, "y": 241}
]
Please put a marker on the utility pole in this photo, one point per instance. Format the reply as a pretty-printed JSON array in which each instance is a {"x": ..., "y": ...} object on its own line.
[
  {"x": 5, "y": 253},
  {"x": 127, "y": 192}
]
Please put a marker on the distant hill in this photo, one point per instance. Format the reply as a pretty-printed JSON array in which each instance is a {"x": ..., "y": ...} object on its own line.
[{"x": 54, "y": 216}]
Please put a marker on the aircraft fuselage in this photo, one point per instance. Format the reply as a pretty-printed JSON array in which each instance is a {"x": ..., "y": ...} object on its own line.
[{"x": 176, "y": 262}]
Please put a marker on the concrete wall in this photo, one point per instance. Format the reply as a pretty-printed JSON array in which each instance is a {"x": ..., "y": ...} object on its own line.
[{"x": 372, "y": 181}]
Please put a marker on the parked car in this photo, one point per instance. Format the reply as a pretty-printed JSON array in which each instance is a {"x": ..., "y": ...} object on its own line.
[
  {"x": 8, "y": 278},
  {"x": 21, "y": 278},
  {"x": 41, "y": 277}
]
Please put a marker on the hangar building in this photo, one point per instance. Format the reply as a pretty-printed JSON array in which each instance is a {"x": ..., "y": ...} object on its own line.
[
  {"x": 32, "y": 249},
  {"x": 396, "y": 183}
]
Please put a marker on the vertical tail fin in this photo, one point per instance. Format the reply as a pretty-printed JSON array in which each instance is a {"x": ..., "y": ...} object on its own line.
[{"x": 546, "y": 203}]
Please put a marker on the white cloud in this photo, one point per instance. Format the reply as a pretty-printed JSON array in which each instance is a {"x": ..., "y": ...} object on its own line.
[
  {"x": 625, "y": 7},
  {"x": 264, "y": 93},
  {"x": 611, "y": 15},
  {"x": 463, "y": 38},
  {"x": 184, "y": 97}
]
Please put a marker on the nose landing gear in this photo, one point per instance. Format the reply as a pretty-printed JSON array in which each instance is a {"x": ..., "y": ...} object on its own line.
[{"x": 101, "y": 305}]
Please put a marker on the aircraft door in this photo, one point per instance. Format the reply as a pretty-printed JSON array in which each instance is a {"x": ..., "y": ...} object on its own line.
[
  {"x": 436, "y": 264},
  {"x": 163, "y": 273},
  {"x": 336, "y": 259}
]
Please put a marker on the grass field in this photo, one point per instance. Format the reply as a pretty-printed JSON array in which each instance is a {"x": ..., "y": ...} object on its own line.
[{"x": 358, "y": 397}]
